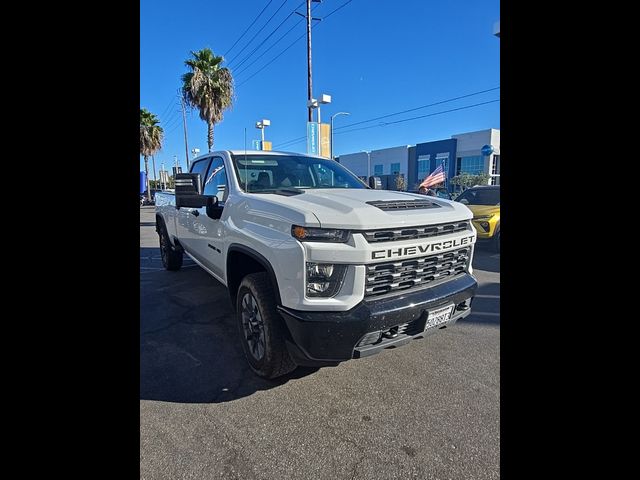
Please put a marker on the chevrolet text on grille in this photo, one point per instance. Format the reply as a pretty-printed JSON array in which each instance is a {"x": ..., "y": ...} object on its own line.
[{"x": 429, "y": 247}]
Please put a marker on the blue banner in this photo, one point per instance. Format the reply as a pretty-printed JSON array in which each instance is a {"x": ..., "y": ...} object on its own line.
[{"x": 313, "y": 143}]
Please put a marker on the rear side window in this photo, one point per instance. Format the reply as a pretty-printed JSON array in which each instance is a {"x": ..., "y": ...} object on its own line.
[{"x": 200, "y": 167}]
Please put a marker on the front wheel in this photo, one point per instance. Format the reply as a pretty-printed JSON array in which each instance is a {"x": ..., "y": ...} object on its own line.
[
  {"x": 262, "y": 332},
  {"x": 496, "y": 241}
]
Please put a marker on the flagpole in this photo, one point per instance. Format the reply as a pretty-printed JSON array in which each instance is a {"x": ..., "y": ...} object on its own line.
[{"x": 445, "y": 175}]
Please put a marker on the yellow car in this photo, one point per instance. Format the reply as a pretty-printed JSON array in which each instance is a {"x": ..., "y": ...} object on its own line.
[{"x": 484, "y": 202}]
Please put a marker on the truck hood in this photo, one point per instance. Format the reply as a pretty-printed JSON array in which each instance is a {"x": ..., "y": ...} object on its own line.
[{"x": 348, "y": 208}]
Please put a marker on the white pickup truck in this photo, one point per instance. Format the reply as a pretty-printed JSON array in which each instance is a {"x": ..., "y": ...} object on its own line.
[{"x": 320, "y": 267}]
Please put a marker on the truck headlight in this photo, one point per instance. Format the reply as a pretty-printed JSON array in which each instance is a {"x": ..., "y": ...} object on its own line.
[
  {"x": 324, "y": 279},
  {"x": 308, "y": 234}
]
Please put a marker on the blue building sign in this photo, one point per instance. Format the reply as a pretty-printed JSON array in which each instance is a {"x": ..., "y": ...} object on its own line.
[
  {"x": 487, "y": 150},
  {"x": 313, "y": 142}
]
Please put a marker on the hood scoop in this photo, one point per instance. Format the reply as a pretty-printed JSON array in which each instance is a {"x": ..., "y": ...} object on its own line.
[{"x": 397, "y": 205}]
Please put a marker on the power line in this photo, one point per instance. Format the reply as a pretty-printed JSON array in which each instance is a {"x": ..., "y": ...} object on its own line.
[
  {"x": 243, "y": 33},
  {"x": 250, "y": 54},
  {"x": 295, "y": 140},
  {"x": 257, "y": 33},
  {"x": 292, "y": 44},
  {"x": 273, "y": 59},
  {"x": 418, "y": 108},
  {"x": 273, "y": 45},
  {"x": 174, "y": 121},
  {"x": 170, "y": 116},
  {"x": 166, "y": 109},
  {"x": 418, "y": 117},
  {"x": 301, "y": 139}
]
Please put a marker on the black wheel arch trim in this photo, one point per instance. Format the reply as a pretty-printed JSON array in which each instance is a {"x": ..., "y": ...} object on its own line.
[
  {"x": 173, "y": 241},
  {"x": 236, "y": 247}
]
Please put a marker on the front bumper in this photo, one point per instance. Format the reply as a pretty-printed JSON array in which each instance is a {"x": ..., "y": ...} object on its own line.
[{"x": 327, "y": 338}]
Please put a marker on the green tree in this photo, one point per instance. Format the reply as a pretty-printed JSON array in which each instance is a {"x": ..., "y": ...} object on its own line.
[
  {"x": 208, "y": 87},
  {"x": 151, "y": 136},
  {"x": 466, "y": 180}
]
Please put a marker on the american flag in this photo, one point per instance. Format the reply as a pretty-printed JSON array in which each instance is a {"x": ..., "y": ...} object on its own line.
[{"x": 434, "y": 178}]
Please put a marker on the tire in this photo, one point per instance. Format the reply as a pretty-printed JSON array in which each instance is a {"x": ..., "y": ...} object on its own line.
[
  {"x": 261, "y": 328},
  {"x": 496, "y": 242},
  {"x": 171, "y": 258}
]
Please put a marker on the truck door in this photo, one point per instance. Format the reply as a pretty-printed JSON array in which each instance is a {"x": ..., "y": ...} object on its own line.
[
  {"x": 208, "y": 233},
  {"x": 186, "y": 215}
]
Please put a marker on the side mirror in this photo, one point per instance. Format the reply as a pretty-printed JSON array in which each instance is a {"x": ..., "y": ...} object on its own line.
[
  {"x": 189, "y": 191},
  {"x": 375, "y": 183},
  {"x": 214, "y": 210},
  {"x": 464, "y": 201}
]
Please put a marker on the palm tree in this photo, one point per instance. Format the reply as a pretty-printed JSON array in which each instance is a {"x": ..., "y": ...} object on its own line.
[
  {"x": 151, "y": 136},
  {"x": 208, "y": 87}
]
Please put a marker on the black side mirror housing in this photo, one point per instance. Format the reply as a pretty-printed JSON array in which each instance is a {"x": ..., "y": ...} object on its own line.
[
  {"x": 214, "y": 210},
  {"x": 189, "y": 191}
]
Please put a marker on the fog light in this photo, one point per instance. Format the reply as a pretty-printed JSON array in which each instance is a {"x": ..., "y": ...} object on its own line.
[
  {"x": 324, "y": 279},
  {"x": 485, "y": 225}
]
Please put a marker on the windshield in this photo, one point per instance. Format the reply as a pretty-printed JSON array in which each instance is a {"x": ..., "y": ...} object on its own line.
[
  {"x": 268, "y": 173},
  {"x": 480, "y": 196}
]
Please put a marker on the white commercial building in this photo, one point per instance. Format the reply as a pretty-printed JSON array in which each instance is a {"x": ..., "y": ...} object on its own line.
[
  {"x": 469, "y": 156},
  {"x": 415, "y": 162},
  {"x": 387, "y": 161}
]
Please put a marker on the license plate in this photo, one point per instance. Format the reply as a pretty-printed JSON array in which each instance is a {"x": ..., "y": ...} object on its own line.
[{"x": 441, "y": 315}]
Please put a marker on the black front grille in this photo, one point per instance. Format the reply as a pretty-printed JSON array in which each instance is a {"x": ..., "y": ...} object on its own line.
[
  {"x": 417, "y": 272},
  {"x": 389, "y": 235},
  {"x": 395, "y": 205}
]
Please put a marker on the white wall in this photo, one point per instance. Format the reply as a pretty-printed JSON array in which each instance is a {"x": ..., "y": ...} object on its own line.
[
  {"x": 470, "y": 144},
  {"x": 356, "y": 162},
  {"x": 387, "y": 156}
]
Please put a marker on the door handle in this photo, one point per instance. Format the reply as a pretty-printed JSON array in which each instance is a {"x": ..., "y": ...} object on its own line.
[{"x": 195, "y": 212}]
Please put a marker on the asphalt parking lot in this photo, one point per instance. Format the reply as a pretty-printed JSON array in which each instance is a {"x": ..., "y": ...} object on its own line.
[{"x": 428, "y": 410}]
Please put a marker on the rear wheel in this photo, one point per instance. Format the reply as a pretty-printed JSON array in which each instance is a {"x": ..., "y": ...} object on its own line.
[
  {"x": 261, "y": 328},
  {"x": 171, "y": 258}
]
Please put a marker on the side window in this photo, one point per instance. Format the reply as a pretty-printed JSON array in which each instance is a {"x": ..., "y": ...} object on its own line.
[
  {"x": 216, "y": 182},
  {"x": 200, "y": 167}
]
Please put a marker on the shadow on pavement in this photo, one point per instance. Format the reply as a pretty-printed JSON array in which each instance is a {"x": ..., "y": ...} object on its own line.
[
  {"x": 486, "y": 259},
  {"x": 147, "y": 224},
  {"x": 486, "y": 305},
  {"x": 189, "y": 341}
]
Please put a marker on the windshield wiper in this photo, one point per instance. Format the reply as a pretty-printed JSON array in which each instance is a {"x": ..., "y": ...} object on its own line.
[{"x": 286, "y": 191}]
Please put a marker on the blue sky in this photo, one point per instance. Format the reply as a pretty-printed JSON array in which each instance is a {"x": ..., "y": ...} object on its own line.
[{"x": 373, "y": 57}]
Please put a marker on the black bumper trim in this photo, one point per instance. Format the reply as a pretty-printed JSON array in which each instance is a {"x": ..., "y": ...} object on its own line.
[{"x": 327, "y": 338}]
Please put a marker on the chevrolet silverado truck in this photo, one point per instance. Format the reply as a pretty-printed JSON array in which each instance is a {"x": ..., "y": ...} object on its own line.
[{"x": 320, "y": 267}]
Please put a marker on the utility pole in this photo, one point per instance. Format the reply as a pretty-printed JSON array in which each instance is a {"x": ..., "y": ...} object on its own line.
[
  {"x": 153, "y": 159},
  {"x": 309, "y": 86},
  {"x": 309, "y": 75},
  {"x": 184, "y": 125}
]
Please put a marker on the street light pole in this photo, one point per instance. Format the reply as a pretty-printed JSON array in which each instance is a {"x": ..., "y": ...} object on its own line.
[
  {"x": 368, "y": 163},
  {"x": 331, "y": 127},
  {"x": 260, "y": 125}
]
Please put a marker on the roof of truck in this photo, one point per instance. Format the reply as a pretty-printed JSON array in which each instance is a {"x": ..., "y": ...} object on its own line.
[{"x": 254, "y": 152}]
